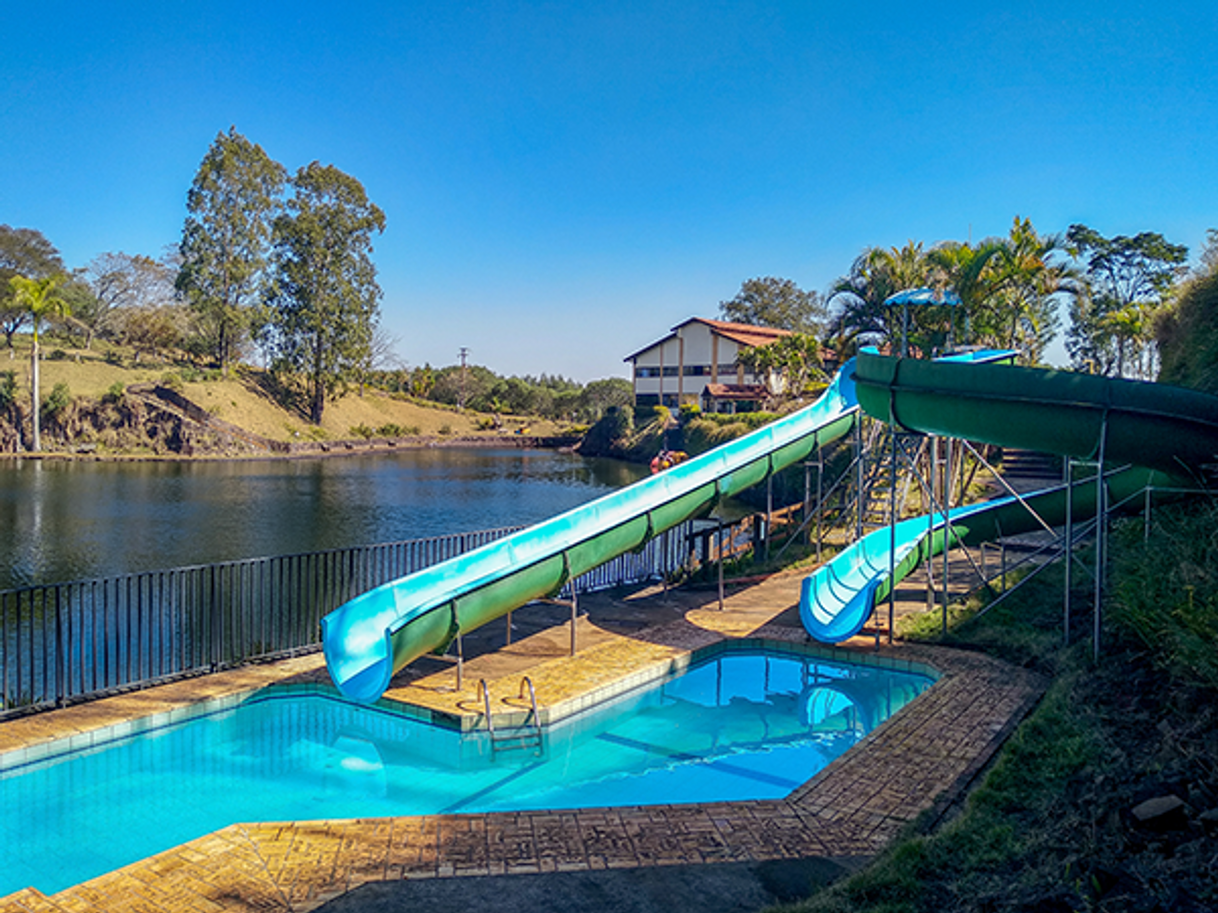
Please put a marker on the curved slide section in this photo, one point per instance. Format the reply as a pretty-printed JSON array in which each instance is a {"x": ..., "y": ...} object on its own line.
[
  {"x": 1169, "y": 433},
  {"x": 369, "y": 638}
]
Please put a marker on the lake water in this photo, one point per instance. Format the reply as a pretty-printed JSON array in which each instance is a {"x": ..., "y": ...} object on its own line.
[{"x": 73, "y": 520}]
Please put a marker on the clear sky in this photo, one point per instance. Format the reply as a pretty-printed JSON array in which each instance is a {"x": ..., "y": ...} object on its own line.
[{"x": 563, "y": 182}]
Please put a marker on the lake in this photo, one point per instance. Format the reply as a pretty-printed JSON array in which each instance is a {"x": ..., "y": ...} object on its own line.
[{"x": 63, "y": 520}]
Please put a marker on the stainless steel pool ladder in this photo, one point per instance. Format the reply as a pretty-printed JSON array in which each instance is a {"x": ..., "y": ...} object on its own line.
[{"x": 526, "y": 736}]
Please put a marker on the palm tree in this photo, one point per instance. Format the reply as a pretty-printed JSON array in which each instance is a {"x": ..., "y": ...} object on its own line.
[
  {"x": 39, "y": 299},
  {"x": 861, "y": 296},
  {"x": 1029, "y": 281}
]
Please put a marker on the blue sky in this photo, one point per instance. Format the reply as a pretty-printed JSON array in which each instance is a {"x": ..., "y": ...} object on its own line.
[{"x": 565, "y": 181}]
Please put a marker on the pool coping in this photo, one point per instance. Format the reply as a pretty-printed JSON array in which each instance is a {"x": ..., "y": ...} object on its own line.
[{"x": 913, "y": 766}]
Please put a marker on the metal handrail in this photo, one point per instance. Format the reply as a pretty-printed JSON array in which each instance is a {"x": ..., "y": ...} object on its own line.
[
  {"x": 533, "y": 701},
  {"x": 485, "y": 693}
]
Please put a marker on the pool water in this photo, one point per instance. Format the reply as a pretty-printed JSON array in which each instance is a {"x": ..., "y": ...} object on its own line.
[{"x": 737, "y": 725}]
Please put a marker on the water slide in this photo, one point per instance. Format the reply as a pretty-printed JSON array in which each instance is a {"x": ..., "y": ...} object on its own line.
[
  {"x": 372, "y": 636},
  {"x": 1168, "y": 436}
]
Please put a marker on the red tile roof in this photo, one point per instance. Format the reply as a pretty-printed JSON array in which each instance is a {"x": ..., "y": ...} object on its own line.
[{"x": 745, "y": 334}]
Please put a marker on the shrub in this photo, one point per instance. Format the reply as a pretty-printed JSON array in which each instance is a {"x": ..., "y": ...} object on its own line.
[
  {"x": 58, "y": 400},
  {"x": 8, "y": 388},
  {"x": 173, "y": 382},
  {"x": 446, "y": 429},
  {"x": 113, "y": 358},
  {"x": 57, "y": 355},
  {"x": 391, "y": 429},
  {"x": 116, "y": 392},
  {"x": 361, "y": 430}
]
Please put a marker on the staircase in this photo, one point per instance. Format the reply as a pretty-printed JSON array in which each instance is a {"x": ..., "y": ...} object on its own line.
[{"x": 1030, "y": 470}]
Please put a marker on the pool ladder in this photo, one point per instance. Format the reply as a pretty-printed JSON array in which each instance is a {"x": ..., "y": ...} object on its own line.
[{"x": 526, "y": 736}]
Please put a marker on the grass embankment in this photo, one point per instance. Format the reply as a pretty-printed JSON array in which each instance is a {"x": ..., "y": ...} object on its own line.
[
  {"x": 1052, "y": 827},
  {"x": 246, "y": 398}
]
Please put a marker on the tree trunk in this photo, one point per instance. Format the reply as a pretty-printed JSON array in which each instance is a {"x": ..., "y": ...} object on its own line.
[{"x": 34, "y": 391}]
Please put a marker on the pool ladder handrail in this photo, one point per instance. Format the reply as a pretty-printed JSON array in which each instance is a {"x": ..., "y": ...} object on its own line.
[{"x": 516, "y": 738}]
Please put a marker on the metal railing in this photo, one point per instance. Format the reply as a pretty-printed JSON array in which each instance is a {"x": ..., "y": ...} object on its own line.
[{"x": 63, "y": 642}]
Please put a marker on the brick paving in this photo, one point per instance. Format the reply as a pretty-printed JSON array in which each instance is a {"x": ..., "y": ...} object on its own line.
[{"x": 918, "y": 763}]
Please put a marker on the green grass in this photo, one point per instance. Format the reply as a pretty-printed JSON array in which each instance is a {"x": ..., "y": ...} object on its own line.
[{"x": 1048, "y": 827}]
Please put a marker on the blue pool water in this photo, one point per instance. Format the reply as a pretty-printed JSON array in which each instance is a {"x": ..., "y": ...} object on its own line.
[{"x": 737, "y": 725}]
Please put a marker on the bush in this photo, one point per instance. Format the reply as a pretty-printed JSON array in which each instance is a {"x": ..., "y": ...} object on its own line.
[
  {"x": 113, "y": 358},
  {"x": 58, "y": 400},
  {"x": 57, "y": 355},
  {"x": 173, "y": 382},
  {"x": 392, "y": 429},
  {"x": 8, "y": 388},
  {"x": 362, "y": 431},
  {"x": 116, "y": 392}
]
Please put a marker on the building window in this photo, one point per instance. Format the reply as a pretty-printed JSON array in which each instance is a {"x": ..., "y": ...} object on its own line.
[
  {"x": 670, "y": 371},
  {"x": 697, "y": 370},
  {"x": 648, "y": 372}
]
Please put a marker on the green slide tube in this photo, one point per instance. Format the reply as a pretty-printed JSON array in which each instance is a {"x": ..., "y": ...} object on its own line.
[{"x": 1168, "y": 434}]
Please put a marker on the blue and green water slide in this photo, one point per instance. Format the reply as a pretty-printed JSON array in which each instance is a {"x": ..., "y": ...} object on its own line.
[
  {"x": 1154, "y": 435},
  {"x": 1170, "y": 435},
  {"x": 372, "y": 636}
]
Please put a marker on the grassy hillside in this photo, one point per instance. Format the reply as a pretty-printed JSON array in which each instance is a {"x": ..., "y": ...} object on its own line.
[{"x": 247, "y": 398}]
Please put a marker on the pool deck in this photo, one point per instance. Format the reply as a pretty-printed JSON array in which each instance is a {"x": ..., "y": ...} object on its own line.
[{"x": 918, "y": 763}]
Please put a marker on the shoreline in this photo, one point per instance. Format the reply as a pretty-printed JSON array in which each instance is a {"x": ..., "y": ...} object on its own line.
[{"x": 315, "y": 450}]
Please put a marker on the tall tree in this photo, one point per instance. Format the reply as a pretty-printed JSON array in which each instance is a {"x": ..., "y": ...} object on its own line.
[
  {"x": 40, "y": 299},
  {"x": 1029, "y": 282},
  {"x": 23, "y": 252},
  {"x": 325, "y": 300},
  {"x": 772, "y": 302},
  {"x": 1128, "y": 278},
  {"x": 225, "y": 241}
]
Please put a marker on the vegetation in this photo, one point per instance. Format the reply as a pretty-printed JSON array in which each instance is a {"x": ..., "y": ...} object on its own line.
[
  {"x": 39, "y": 299},
  {"x": 1007, "y": 290},
  {"x": 1050, "y": 827},
  {"x": 225, "y": 241},
  {"x": 1128, "y": 282},
  {"x": 323, "y": 307},
  {"x": 774, "y": 302}
]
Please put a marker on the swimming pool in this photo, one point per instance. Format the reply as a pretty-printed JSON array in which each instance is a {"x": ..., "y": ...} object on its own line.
[{"x": 741, "y": 723}]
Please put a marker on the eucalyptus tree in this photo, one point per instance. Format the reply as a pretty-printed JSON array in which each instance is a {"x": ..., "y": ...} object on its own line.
[
  {"x": 40, "y": 299},
  {"x": 772, "y": 302},
  {"x": 325, "y": 298},
  {"x": 1128, "y": 279},
  {"x": 226, "y": 239}
]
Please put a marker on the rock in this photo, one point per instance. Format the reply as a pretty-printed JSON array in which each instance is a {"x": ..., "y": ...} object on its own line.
[{"x": 1162, "y": 813}]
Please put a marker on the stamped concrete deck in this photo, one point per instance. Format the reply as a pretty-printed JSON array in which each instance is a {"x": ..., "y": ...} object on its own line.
[{"x": 920, "y": 761}]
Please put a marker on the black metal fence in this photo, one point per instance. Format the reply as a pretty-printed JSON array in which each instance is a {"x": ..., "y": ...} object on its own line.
[{"x": 66, "y": 641}]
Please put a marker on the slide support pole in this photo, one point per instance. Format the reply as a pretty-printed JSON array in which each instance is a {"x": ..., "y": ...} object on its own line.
[
  {"x": 947, "y": 522},
  {"x": 1069, "y": 550},
  {"x": 892, "y": 531},
  {"x": 1101, "y": 523}
]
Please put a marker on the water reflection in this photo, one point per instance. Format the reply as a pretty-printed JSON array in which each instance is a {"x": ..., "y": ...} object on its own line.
[{"x": 62, "y": 521}]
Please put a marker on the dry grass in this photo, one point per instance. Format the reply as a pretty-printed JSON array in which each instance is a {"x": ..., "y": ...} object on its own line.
[{"x": 240, "y": 401}]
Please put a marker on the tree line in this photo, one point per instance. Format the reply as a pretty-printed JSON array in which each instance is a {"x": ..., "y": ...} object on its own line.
[{"x": 1120, "y": 296}]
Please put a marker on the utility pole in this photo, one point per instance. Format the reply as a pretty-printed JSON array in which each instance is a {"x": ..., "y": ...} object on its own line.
[{"x": 461, "y": 391}]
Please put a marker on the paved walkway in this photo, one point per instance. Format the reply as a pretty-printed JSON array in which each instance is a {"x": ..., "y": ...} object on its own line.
[{"x": 918, "y": 762}]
